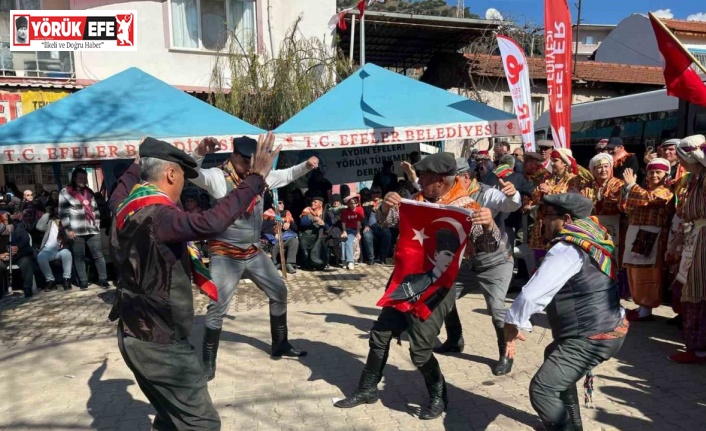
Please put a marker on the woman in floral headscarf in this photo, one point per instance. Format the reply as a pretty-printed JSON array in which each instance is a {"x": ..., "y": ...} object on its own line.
[
  {"x": 650, "y": 211},
  {"x": 563, "y": 179},
  {"x": 692, "y": 268},
  {"x": 605, "y": 192}
]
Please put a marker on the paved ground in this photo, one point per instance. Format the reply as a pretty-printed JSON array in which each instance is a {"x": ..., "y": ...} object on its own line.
[{"x": 60, "y": 368}]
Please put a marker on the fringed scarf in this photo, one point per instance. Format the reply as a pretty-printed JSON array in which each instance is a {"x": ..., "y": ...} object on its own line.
[
  {"x": 594, "y": 239},
  {"x": 234, "y": 179},
  {"x": 85, "y": 198},
  {"x": 146, "y": 194}
]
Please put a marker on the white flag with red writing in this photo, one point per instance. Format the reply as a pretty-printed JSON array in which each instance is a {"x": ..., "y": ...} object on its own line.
[
  {"x": 557, "y": 54},
  {"x": 517, "y": 74}
]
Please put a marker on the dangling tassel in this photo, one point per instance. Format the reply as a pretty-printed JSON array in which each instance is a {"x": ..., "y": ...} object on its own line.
[{"x": 588, "y": 389}]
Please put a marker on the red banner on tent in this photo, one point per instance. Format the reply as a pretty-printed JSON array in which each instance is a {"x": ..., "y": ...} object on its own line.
[
  {"x": 431, "y": 243},
  {"x": 558, "y": 35}
]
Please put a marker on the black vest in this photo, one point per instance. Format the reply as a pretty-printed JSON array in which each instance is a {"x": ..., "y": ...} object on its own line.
[
  {"x": 587, "y": 305},
  {"x": 154, "y": 301}
]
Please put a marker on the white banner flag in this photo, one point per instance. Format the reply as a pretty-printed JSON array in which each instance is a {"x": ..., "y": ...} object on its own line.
[{"x": 517, "y": 73}]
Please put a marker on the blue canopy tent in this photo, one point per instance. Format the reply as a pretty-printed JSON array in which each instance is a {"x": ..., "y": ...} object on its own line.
[
  {"x": 376, "y": 106},
  {"x": 108, "y": 120}
]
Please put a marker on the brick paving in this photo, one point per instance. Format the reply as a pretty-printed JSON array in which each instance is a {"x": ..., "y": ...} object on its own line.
[{"x": 60, "y": 368}]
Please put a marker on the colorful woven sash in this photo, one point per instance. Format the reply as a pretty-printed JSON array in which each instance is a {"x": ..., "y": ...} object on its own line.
[
  {"x": 234, "y": 179},
  {"x": 594, "y": 239},
  {"x": 146, "y": 194}
]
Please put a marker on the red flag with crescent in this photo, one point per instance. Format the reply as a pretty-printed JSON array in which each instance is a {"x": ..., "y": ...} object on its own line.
[{"x": 430, "y": 247}]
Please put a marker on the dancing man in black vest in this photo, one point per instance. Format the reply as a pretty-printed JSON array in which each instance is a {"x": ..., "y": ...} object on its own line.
[{"x": 577, "y": 285}]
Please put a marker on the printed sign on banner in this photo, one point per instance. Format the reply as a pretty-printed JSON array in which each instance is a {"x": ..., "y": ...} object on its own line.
[
  {"x": 557, "y": 25},
  {"x": 517, "y": 73},
  {"x": 72, "y": 30},
  {"x": 354, "y": 164}
]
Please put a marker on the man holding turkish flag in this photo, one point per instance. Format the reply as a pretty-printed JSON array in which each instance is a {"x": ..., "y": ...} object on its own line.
[
  {"x": 681, "y": 79},
  {"x": 435, "y": 228}
]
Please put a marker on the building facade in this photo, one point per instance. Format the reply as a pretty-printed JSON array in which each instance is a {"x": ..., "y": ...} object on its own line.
[{"x": 589, "y": 37}]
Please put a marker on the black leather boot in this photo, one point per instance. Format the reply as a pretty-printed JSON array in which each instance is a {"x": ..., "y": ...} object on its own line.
[
  {"x": 365, "y": 393},
  {"x": 454, "y": 334},
  {"x": 280, "y": 343},
  {"x": 570, "y": 398},
  {"x": 504, "y": 365},
  {"x": 67, "y": 284},
  {"x": 436, "y": 385},
  {"x": 211, "y": 338}
]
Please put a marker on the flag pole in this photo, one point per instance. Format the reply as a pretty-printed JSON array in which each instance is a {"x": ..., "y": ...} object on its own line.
[
  {"x": 677, "y": 41},
  {"x": 352, "y": 39},
  {"x": 362, "y": 40}
]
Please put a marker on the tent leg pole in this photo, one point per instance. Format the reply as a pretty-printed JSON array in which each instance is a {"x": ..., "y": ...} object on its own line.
[{"x": 350, "y": 61}]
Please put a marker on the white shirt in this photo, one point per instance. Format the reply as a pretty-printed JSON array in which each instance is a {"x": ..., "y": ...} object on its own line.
[
  {"x": 562, "y": 262},
  {"x": 497, "y": 202},
  {"x": 53, "y": 238},
  {"x": 214, "y": 182}
]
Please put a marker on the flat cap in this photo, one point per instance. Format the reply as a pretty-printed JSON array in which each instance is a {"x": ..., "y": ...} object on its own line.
[
  {"x": 244, "y": 146},
  {"x": 669, "y": 143},
  {"x": 545, "y": 143},
  {"x": 157, "y": 149},
  {"x": 572, "y": 204},
  {"x": 614, "y": 142},
  {"x": 439, "y": 163},
  {"x": 462, "y": 165},
  {"x": 534, "y": 156}
]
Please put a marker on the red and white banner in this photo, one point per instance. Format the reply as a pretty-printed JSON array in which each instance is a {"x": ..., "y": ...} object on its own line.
[
  {"x": 518, "y": 80},
  {"x": 72, "y": 30},
  {"x": 430, "y": 247},
  {"x": 396, "y": 135},
  {"x": 108, "y": 150},
  {"x": 557, "y": 53}
]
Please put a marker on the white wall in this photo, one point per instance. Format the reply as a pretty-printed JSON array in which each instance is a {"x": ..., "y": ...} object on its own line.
[{"x": 191, "y": 68}]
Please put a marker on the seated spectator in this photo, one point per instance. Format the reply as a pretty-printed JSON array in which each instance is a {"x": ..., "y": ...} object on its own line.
[
  {"x": 27, "y": 198},
  {"x": 387, "y": 178},
  {"x": 312, "y": 227},
  {"x": 377, "y": 240},
  {"x": 53, "y": 248},
  {"x": 40, "y": 194},
  {"x": 191, "y": 202},
  {"x": 334, "y": 229},
  {"x": 351, "y": 221},
  {"x": 15, "y": 249},
  {"x": 344, "y": 191},
  {"x": 290, "y": 240},
  {"x": 53, "y": 199}
]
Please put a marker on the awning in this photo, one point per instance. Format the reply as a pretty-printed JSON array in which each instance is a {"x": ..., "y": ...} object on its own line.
[
  {"x": 108, "y": 120},
  {"x": 376, "y": 106}
]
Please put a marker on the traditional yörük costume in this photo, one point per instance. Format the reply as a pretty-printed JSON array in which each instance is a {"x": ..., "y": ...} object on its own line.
[
  {"x": 237, "y": 251},
  {"x": 152, "y": 244},
  {"x": 692, "y": 268},
  {"x": 557, "y": 183},
  {"x": 650, "y": 213},
  {"x": 491, "y": 272},
  {"x": 422, "y": 331},
  {"x": 576, "y": 284},
  {"x": 609, "y": 209}
]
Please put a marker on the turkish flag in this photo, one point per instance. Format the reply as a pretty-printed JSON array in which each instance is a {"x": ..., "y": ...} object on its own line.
[
  {"x": 679, "y": 76},
  {"x": 430, "y": 247}
]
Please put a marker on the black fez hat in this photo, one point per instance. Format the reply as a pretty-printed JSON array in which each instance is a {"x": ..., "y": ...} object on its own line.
[
  {"x": 447, "y": 240},
  {"x": 572, "y": 204},
  {"x": 439, "y": 163},
  {"x": 21, "y": 21},
  {"x": 614, "y": 142},
  {"x": 161, "y": 150},
  {"x": 244, "y": 146}
]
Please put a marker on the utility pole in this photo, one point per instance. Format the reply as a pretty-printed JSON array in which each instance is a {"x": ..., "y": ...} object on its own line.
[
  {"x": 578, "y": 31},
  {"x": 460, "y": 8}
]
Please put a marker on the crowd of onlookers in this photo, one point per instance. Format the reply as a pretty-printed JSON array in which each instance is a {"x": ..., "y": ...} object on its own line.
[{"x": 44, "y": 237}]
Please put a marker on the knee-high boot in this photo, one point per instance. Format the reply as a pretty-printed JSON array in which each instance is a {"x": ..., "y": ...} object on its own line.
[
  {"x": 209, "y": 351},
  {"x": 436, "y": 385},
  {"x": 570, "y": 398},
  {"x": 280, "y": 342},
  {"x": 504, "y": 365},
  {"x": 454, "y": 334},
  {"x": 367, "y": 390}
]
